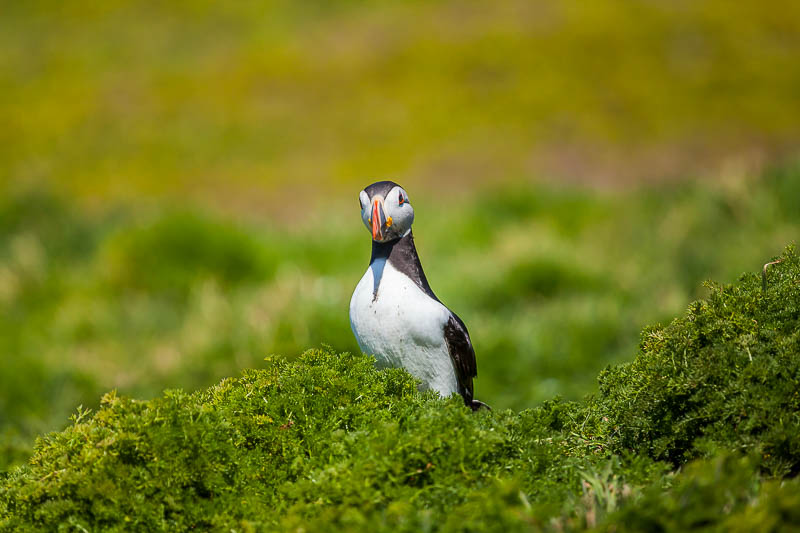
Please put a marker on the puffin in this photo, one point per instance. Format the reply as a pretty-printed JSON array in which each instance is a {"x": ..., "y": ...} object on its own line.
[{"x": 394, "y": 314}]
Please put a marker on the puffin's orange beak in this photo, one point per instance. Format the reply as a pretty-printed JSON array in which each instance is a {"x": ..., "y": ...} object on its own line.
[{"x": 378, "y": 219}]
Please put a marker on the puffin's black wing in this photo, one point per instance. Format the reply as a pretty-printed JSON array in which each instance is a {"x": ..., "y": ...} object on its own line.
[{"x": 462, "y": 355}]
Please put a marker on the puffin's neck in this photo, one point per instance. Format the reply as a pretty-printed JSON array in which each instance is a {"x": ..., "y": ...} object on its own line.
[{"x": 402, "y": 255}]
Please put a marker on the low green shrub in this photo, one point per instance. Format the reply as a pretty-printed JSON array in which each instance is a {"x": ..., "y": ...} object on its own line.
[
  {"x": 326, "y": 437},
  {"x": 328, "y": 442},
  {"x": 726, "y": 375}
]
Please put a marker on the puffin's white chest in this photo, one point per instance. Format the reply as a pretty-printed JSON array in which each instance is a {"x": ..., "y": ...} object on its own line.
[{"x": 402, "y": 326}]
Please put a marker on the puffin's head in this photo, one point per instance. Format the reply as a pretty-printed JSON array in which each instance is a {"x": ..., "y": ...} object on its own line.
[{"x": 386, "y": 211}]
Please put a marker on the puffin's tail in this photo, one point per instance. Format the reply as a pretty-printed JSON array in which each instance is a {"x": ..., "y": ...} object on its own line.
[{"x": 476, "y": 405}]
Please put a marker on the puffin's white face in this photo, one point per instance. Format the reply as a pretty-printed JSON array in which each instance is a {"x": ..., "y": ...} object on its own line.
[{"x": 388, "y": 217}]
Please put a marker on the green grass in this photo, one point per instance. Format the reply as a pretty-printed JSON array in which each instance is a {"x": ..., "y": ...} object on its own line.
[
  {"x": 328, "y": 441},
  {"x": 554, "y": 285}
]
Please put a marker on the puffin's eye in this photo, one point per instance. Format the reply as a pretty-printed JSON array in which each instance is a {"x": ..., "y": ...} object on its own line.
[{"x": 402, "y": 199}]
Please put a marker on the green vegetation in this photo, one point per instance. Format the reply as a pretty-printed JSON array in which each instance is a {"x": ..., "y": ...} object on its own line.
[
  {"x": 697, "y": 384},
  {"x": 140, "y": 301},
  {"x": 177, "y": 201},
  {"x": 328, "y": 442}
]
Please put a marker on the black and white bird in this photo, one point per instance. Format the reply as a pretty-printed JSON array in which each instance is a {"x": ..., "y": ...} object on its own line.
[{"x": 395, "y": 315}]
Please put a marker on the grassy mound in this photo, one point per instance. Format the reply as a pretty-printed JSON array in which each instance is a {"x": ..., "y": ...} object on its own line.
[
  {"x": 725, "y": 375},
  {"x": 328, "y": 441}
]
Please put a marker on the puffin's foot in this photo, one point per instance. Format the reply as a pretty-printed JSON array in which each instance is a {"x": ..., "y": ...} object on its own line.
[{"x": 477, "y": 404}]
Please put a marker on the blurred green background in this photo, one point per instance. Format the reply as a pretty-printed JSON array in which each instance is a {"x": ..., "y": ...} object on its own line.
[{"x": 179, "y": 181}]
